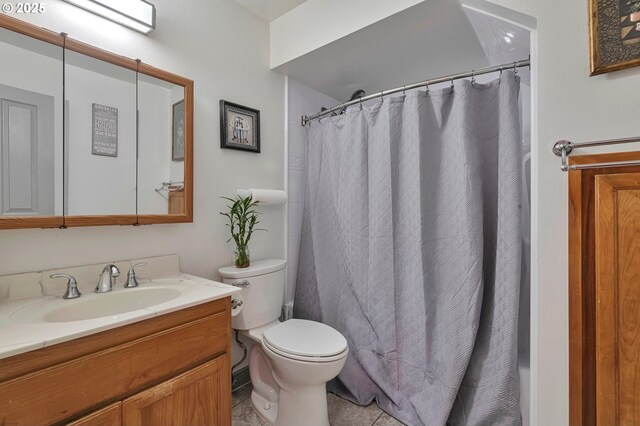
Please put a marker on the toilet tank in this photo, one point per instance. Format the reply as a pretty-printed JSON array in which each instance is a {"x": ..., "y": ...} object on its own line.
[{"x": 262, "y": 293}]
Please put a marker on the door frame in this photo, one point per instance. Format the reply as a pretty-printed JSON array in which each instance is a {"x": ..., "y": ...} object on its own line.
[{"x": 582, "y": 280}]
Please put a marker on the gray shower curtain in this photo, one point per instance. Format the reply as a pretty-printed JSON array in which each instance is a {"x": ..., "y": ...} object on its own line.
[{"x": 411, "y": 248}]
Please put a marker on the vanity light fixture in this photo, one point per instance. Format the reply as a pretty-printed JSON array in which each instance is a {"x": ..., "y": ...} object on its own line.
[{"x": 138, "y": 15}]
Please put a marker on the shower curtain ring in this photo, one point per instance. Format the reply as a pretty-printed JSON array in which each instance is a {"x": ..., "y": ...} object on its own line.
[
  {"x": 473, "y": 77},
  {"x": 427, "y": 87},
  {"x": 501, "y": 69},
  {"x": 382, "y": 97},
  {"x": 360, "y": 101},
  {"x": 451, "y": 78},
  {"x": 404, "y": 93}
]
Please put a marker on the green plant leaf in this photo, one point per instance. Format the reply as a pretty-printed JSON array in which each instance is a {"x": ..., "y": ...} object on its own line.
[{"x": 242, "y": 218}]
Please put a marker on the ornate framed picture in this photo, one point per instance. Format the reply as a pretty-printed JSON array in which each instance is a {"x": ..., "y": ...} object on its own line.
[
  {"x": 177, "y": 147},
  {"x": 239, "y": 127},
  {"x": 614, "y": 35}
]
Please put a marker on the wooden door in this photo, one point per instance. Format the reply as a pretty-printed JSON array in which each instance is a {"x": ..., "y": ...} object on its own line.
[
  {"x": 201, "y": 397},
  {"x": 618, "y": 299},
  {"x": 108, "y": 416},
  {"x": 593, "y": 319}
]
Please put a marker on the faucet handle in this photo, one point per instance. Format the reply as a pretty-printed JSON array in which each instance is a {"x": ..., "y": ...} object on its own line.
[
  {"x": 72, "y": 286},
  {"x": 132, "y": 281}
]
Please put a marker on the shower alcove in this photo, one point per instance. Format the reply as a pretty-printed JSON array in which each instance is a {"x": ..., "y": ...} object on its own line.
[{"x": 423, "y": 41}]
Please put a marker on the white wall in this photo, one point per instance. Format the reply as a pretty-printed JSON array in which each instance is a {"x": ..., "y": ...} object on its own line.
[
  {"x": 200, "y": 39},
  {"x": 302, "y": 100},
  {"x": 575, "y": 106}
]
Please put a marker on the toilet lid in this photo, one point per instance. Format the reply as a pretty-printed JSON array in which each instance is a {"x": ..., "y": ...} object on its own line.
[{"x": 306, "y": 338}]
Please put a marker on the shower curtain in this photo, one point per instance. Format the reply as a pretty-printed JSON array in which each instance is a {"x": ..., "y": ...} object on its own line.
[{"x": 411, "y": 248}]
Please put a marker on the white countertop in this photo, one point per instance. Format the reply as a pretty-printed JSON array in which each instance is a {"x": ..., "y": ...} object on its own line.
[{"x": 22, "y": 327}]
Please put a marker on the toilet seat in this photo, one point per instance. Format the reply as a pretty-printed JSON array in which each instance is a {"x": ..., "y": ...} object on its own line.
[{"x": 304, "y": 340}]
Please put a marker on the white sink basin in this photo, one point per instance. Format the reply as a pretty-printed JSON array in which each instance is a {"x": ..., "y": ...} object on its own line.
[
  {"x": 112, "y": 304},
  {"x": 91, "y": 306}
]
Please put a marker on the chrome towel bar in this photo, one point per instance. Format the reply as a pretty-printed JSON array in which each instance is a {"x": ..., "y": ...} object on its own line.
[{"x": 563, "y": 148}]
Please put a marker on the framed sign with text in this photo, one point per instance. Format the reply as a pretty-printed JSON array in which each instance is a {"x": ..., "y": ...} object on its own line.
[{"x": 104, "y": 139}]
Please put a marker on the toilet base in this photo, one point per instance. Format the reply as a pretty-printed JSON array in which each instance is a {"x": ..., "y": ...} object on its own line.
[
  {"x": 266, "y": 409},
  {"x": 303, "y": 406}
]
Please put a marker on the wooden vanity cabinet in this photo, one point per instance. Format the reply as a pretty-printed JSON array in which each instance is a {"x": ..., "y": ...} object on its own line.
[
  {"x": 173, "y": 369},
  {"x": 197, "y": 397},
  {"x": 107, "y": 416}
]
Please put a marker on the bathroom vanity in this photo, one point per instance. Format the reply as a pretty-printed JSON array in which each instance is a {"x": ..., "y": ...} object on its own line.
[{"x": 162, "y": 359}]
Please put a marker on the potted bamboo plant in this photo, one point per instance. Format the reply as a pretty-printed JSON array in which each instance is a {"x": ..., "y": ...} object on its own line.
[{"x": 242, "y": 220}]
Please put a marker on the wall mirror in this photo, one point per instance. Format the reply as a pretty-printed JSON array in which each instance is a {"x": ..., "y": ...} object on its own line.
[
  {"x": 161, "y": 113},
  {"x": 31, "y": 179},
  {"x": 89, "y": 137},
  {"x": 100, "y": 152}
]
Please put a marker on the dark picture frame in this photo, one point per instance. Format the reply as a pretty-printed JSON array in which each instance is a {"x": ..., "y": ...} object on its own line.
[
  {"x": 177, "y": 130},
  {"x": 239, "y": 127},
  {"x": 614, "y": 35}
]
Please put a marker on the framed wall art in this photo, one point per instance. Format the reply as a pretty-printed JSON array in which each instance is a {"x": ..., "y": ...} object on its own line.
[
  {"x": 104, "y": 133},
  {"x": 177, "y": 146},
  {"x": 239, "y": 127},
  {"x": 614, "y": 35}
]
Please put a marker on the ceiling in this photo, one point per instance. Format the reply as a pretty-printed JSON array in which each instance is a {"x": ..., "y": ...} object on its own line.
[
  {"x": 431, "y": 39},
  {"x": 270, "y": 9}
]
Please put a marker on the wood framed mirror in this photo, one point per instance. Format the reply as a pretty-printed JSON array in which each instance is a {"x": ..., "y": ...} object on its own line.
[{"x": 89, "y": 137}]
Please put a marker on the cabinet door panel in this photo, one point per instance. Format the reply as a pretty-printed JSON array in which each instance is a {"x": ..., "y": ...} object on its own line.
[
  {"x": 617, "y": 299},
  {"x": 108, "y": 416},
  {"x": 201, "y": 396}
]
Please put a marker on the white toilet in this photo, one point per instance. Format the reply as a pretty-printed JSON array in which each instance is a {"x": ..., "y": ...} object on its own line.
[{"x": 292, "y": 360}]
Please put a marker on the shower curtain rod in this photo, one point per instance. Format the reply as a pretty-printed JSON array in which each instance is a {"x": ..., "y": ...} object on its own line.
[{"x": 473, "y": 73}]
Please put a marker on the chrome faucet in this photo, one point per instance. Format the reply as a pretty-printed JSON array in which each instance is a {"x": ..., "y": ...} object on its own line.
[
  {"x": 107, "y": 279},
  {"x": 72, "y": 286}
]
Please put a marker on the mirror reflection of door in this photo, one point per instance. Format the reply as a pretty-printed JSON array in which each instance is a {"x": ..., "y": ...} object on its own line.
[
  {"x": 30, "y": 136},
  {"x": 27, "y": 152}
]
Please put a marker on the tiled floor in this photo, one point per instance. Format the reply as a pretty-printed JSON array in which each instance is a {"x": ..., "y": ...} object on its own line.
[{"x": 341, "y": 412}]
